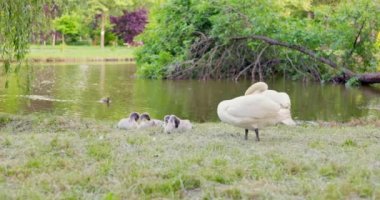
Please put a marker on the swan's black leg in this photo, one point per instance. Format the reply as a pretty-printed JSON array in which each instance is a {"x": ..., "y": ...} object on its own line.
[
  {"x": 246, "y": 134},
  {"x": 257, "y": 134}
]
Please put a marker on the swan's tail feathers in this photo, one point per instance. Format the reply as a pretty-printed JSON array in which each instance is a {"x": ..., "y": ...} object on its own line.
[{"x": 289, "y": 122}]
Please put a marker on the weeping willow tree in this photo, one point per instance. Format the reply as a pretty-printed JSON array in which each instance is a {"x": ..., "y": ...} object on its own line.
[{"x": 17, "y": 20}]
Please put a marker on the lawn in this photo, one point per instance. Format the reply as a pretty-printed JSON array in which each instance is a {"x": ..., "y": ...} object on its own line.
[
  {"x": 56, "y": 157},
  {"x": 79, "y": 52}
]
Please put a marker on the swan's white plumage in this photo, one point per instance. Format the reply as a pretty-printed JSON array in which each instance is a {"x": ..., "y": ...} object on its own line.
[
  {"x": 259, "y": 107},
  {"x": 262, "y": 88},
  {"x": 279, "y": 97},
  {"x": 249, "y": 112},
  {"x": 256, "y": 88}
]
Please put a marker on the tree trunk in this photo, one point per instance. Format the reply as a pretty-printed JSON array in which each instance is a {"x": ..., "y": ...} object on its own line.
[
  {"x": 53, "y": 38},
  {"x": 369, "y": 78},
  {"x": 310, "y": 14},
  {"x": 299, "y": 48},
  {"x": 38, "y": 39},
  {"x": 102, "y": 31},
  {"x": 365, "y": 79}
]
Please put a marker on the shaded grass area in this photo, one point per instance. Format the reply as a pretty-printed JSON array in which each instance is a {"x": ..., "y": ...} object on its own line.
[
  {"x": 79, "y": 52},
  {"x": 56, "y": 157}
]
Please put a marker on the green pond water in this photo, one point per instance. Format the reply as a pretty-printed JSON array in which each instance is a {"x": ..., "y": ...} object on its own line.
[{"x": 75, "y": 90}]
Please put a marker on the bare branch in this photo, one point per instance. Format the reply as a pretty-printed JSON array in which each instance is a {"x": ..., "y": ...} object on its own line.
[{"x": 299, "y": 48}]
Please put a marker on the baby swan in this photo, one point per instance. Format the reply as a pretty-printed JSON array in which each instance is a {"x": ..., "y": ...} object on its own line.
[
  {"x": 176, "y": 124},
  {"x": 166, "y": 121},
  {"x": 259, "y": 107},
  {"x": 146, "y": 121},
  {"x": 106, "y": 100},
  {"x": 130, "y": 122}
]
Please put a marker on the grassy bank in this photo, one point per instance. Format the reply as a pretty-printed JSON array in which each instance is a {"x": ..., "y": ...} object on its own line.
[
  {"x": 49, "y": 53},
  {"x": 70, "y": 158}
]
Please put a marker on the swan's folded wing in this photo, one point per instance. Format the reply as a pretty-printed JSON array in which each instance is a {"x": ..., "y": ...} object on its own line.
[
  {"x": 279, "y": 97},
  {"x": 252, "y": 106}
]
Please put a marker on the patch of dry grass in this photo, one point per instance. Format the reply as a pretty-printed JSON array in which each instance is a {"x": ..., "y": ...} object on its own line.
[{"x": 58, "y": 158}]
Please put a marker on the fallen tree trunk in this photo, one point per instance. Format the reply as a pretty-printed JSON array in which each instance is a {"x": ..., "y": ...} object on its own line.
[
  {"x": 365, "y": 78},
  {"x": 369, "y": 78}
]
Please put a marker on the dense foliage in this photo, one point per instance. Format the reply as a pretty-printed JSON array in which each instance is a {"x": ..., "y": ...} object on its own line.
[
  {"x": 95, "y": 16},
  {"x": 69, "y": 25},
  {"x": 213, "y": 39},
  {"x": 16, "y": 24},
  {"x": 130, "y": 24},
  {"x": 48, "y": 21}
]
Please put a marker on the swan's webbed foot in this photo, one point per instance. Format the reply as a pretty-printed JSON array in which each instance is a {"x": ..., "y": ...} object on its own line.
[
  {"x": 246, "y": 134},
  {"x": 257, "y": 134}
]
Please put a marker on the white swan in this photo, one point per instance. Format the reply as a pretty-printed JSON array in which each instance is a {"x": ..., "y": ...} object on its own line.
[
  {"x": 176, "y": 124},
  {"x": 146, "y": 121},
  {"x": 259, "y": 107},
  {"x": 130, "y": 122}
]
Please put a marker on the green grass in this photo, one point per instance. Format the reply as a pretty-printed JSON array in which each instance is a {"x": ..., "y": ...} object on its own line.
[
  {"x": 53, "y": 157},
  {"x": 79, "y": 52}
]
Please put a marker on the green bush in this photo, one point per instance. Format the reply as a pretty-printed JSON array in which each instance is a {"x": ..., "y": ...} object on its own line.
[{"x": 199, "y": 35}]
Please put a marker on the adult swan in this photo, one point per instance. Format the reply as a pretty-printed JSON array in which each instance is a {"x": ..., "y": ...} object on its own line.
[{"x": 259, "y": 107}]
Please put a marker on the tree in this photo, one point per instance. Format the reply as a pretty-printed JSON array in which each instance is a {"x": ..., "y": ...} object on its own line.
[
  {"x": 103, "y": 8},
  {"x": 257, "y": 38},
  {"x": 68, "y": 25},
  {"x": 51, "y": 11},
  {"x": 17, "y": 18},
  {"x": 130, "y": 24},
  {"x": 106, "y": 8},
  {"x": 54, "y": 9}
]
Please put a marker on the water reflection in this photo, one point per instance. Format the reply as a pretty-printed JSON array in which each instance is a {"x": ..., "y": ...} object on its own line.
[{"x": 81, "y": 86}]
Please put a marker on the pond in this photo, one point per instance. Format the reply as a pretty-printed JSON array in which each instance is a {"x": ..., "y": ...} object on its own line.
[{"x": 75, "y": 90}]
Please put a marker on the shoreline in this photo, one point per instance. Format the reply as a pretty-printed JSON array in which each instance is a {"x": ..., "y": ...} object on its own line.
[{"x": 61, "y": 60}]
